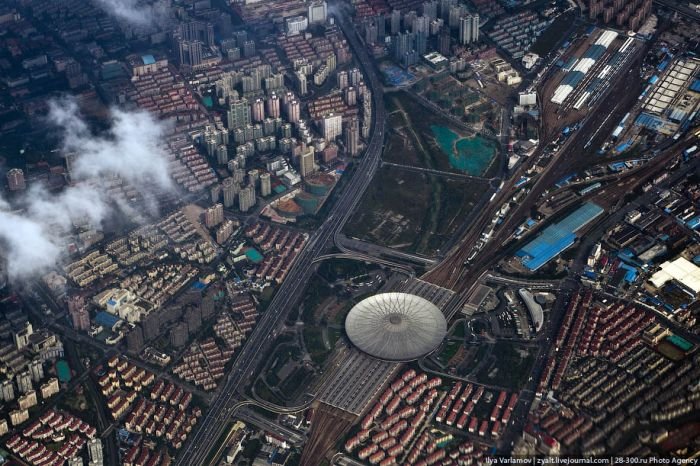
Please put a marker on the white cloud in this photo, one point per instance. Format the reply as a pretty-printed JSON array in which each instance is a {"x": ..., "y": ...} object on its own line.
[
  {"x": 31, "y": 238},
  {"x": 137, "y": 13}
]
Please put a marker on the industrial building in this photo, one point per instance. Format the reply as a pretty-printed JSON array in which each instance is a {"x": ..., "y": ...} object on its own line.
[
  {"x": 557, "y": 237},
  {"x": 672, "y": 99},
  {"x": 680, "y": 270},
  {"x": 582, "y": 66}
]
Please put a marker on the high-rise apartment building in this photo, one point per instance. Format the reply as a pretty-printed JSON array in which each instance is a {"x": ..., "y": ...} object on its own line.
[
  {"x": 403, "y": 44},
  {"x": 343, "y": 79},
  {"x": 351, "y": 96},
  {"x": 224, "y": 232},
  {"x": 95, "y": 452},
  {"x": 430, "y": 9},
  {"x": 79, "y": 315},
  {"x": 134, "y": 340},
  {"x": 230, "y": 189},
  {"x": 36, "y": 370},
  {"x": 395, "y": 22},
  {"x": 15, "y": 179},
  {"x": 222, "y": 154},
  {"x": 214, "y": 215},
  {"x": 371, "y": 34},
  {"x": 456, "y": 13},
  {"x": 307, "y": 163},
  {"x": 265, "y": 185},
  {"x": 190, "y": 53},
  {"x": 248, "y": 48},
  {"x": 246, "y": 198},
  {"x": 294, "y": 111},
  {"x": 296, "y": 25},
  {"x": 197, "y": 30},
  {"x": 24, "y": 382},
  {"x": 355, "y": 76},
  {"x": 302, "y": 83},
  {"x": 273, "y": 106},
  {"x": 238, "y": 115},
  {"x": 331, "y": 126},
  {"x": 258, "y": 112},
  {"x": 7, "y": 390},
  {"x": 352, "y": 137},
  {"x": 469, "y": 29}
]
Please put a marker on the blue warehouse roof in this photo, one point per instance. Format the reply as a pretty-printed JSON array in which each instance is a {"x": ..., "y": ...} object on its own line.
[{"x": 557, "y": 237}]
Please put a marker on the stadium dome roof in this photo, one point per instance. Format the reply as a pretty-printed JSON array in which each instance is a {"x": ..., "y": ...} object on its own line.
[{"x": 396, "y": 326}]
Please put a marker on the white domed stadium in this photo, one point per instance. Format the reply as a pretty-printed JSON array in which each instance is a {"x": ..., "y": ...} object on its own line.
[{"x": 396, "y": 326}]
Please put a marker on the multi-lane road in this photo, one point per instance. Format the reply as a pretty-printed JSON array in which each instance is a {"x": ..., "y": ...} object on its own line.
[{"x": 214, "y": 423}]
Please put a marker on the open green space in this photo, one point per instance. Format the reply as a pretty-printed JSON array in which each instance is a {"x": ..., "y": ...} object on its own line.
[
  {"x": 333, "y": 336},
  {"x": 508, "y": 366},
  {"x": 76, "y": 400},
  {"x": 449, "y": 93},
  {"x": 215, "y": 452},
  {"x": 295, "y": 383},
  {"x": 448, "y": 351},
  {"x": 344, "y": 269},
  {"x": 483, "y": 409},
  {"x": 284, "y": 354},
  {"x": 317, "y": 291},
  {"x": 399, "y": 147},
  {"x": 413, "y": 141},
  {"x": 266, "y": 297},
  {"x": 413, "y": 212},
  {"x": 264, "y": 392},
  {"x": 458, "y": 330},
  {"x": 313, "y": 339},
  {"x": 473, "y": 356},
  {"x": 251, "y": 448}
]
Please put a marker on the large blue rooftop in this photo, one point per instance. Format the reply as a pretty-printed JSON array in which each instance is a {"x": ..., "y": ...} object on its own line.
[
  {"x": 106, "y": 319},
  {"x": 557, "y": 237}
]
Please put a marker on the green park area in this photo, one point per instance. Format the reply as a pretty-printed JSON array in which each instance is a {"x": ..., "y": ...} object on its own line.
[
  {"x": 344, "y": 269},
  {"x": 286, "y": 373},
  {"x": 413, "y": 211},
  {"x": 508, "y": 365},
  {"x": 434, "y": 141},
  {"x": 299, "y": 354}
]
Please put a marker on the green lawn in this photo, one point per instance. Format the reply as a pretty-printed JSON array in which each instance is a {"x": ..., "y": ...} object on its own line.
[
  {"x": 509, "y": 365},
  {"x": 411, "y": 211},
  {"x": 458, "y": 331},
  {"x": 450, "y": 349},
  {"x": 263, "y": 392},
  {"x": 473, "y": 357},
  {"x": 292, "y": 386},
  {"x": 316, "y": 293},
  {"x": 313, "y": 340},
  {"x": 343, "y": 269}
]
